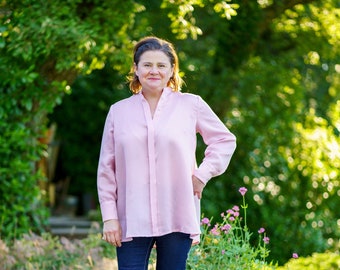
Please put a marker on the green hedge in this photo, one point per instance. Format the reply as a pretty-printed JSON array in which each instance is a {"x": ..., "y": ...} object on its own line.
[{"x": 318, "y": 261}]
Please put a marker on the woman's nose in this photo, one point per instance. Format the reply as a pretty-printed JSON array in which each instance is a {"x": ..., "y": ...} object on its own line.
[{"x": 154, "y": 70}]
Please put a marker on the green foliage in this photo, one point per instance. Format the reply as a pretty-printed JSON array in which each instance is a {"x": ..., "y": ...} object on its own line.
[
  {"x": 291, "y": 159},
  {"x": 228, "y": 245},
  {"x": 21, "y": 201},
  {"x": 183, "y": 23},
  {"x": 43, "y": 46},
  {"x": 269, "y": 170},
  {"x": 329, "y": 261}
]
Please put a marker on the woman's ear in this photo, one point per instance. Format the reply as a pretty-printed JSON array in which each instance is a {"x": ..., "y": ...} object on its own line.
[{"x": 135, "y": 70}]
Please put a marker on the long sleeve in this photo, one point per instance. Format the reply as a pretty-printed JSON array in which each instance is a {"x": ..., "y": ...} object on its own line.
[
  {"x": 106, "y": 179},
  {"x": 221, "y": 143}
]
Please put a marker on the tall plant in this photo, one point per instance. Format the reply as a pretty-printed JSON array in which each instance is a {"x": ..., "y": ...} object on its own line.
[{"x": 228, "y": 245}]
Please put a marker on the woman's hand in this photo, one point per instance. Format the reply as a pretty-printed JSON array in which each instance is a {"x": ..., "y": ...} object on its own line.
[
  {"x": 198, "y": 186},
  {"x": 112, "y": 232}
]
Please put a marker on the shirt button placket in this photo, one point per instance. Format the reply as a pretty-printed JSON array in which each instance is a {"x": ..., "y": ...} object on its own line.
[
  {"x": 152, "y": 168},
  {"x": 153, "y": 179}
]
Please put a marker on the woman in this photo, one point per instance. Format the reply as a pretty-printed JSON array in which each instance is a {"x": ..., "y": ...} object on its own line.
[{"x": 149, "y": 186}]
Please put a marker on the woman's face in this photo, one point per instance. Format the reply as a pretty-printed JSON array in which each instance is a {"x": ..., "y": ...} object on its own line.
[{"x": 153, "y": 70}]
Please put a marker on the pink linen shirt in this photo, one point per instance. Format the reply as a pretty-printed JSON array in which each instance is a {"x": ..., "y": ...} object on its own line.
[{"x": 146, "y": 163}]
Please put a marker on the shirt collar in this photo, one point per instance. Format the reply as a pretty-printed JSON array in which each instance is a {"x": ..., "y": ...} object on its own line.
[{"x": 166, "y": 92}]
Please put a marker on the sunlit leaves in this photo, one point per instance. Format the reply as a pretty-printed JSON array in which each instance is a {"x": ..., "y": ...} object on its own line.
[
  {"x": 312, "y": 58},
  {"x": 225, "y": 9},
  {"x": 333, "y": 114},
  {"x": 264, "y": 3},
  {"x": 316, "y": 152},
  {"x": 183, "y": 23},
  {"x": 181, "y": 14},
  {"x": 315, "y": 23}
]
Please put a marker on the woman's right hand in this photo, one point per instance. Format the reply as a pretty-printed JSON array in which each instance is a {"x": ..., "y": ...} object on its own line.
[{"x": 112, "y": 232}]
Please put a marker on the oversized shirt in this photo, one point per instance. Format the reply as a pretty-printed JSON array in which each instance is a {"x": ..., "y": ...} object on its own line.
[{"x": 146, "y": 163}]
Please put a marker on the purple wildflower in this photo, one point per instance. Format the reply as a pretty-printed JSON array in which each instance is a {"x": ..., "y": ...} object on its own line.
[
  {"x": 205, "y": 221},
  {"x": 226, "y": 228},
  {"x": 266, "y": 240},
  {"x": 236, "y": 208},
  {"x": 261, "y": 230},
  {"x": 215, "y": 231},
  {"x": 295, "y": 255},
  {"x": 243, "y": 190},
  {"x": 230, "y": 212}
]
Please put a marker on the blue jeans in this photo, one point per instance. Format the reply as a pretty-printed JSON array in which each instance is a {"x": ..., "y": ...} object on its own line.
[{"x": 171, "y": 249}]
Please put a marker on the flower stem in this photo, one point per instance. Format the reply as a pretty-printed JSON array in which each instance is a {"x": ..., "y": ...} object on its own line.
[{"x": 244, "y": 206}]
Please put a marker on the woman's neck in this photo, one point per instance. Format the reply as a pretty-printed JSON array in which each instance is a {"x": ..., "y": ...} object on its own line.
[{"x": 152, "y": 98}]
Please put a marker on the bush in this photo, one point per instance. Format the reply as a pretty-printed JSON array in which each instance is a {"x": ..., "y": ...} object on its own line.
[
  {"x": 22, "y": 201},
  {"x": 329, "y": 261}
]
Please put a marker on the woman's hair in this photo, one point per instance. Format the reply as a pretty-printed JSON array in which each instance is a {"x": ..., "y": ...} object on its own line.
[{"x": 155, "y": 44}]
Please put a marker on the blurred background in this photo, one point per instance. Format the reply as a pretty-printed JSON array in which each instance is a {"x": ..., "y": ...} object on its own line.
[{"x": 269, "y": 69}]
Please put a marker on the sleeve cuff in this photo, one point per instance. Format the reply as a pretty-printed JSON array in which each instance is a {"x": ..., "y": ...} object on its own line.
[
  {"x": 109, "y": 211},
  {"x": 204, "y": 173}
]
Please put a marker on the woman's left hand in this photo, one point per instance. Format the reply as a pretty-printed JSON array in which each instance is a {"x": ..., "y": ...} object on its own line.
[{"x": 198, "y": 186}]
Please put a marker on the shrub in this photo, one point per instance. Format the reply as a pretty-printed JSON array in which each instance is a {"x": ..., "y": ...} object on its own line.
[{"x": 329, "y": 261}]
